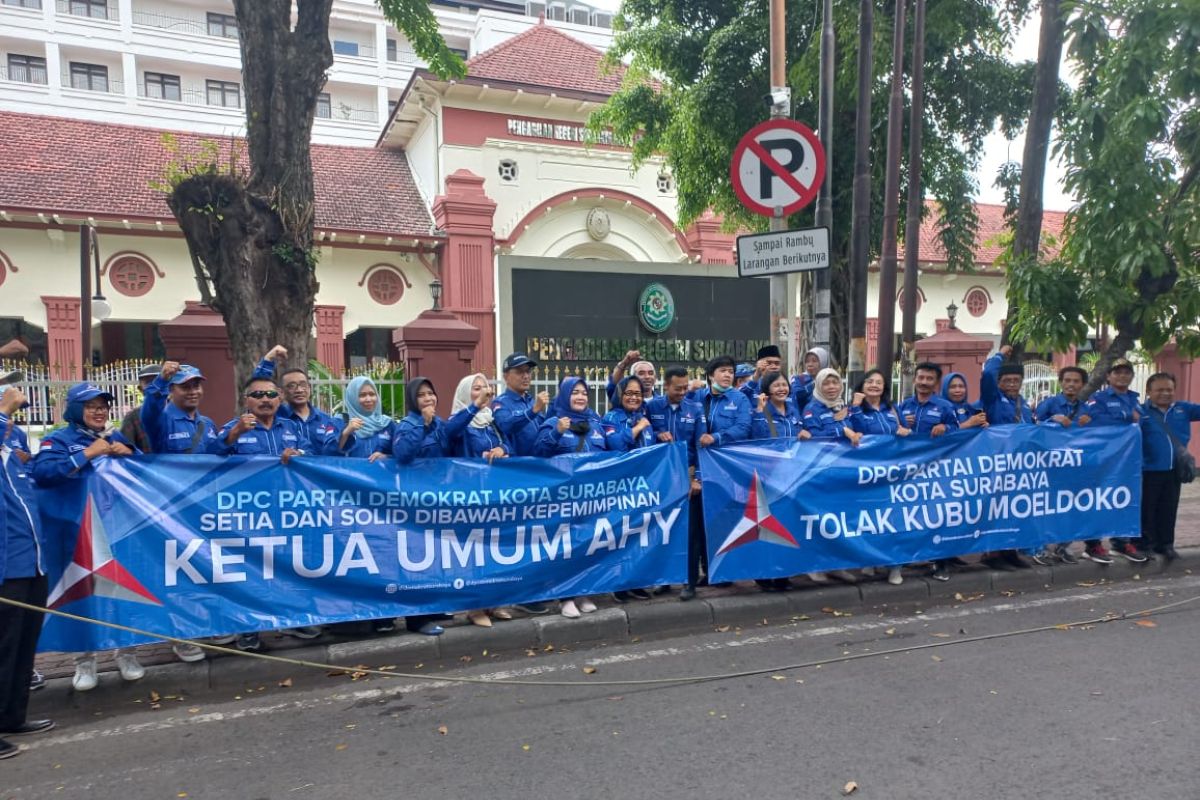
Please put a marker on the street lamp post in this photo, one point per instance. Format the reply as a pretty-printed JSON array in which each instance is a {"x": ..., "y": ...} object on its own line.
[
  {"x": 952, "y": 313},
  {"x": 435, "y": 291},
  {"x": 92, "y": 303}
]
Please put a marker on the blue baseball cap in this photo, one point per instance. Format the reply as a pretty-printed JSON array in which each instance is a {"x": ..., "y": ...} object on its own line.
[
  {"x": 82, "y": 392},
  {"x": 515, "y": 360},
  {"x": 743, "y": 371},
  {"x": 186, "y": 373}
]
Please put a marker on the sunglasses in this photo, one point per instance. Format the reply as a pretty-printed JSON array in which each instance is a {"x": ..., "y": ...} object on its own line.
[{"x": 259, "y": 394}]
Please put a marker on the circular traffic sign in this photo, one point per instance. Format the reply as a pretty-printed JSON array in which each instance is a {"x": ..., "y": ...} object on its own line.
[{"x": 777, "y": 167}]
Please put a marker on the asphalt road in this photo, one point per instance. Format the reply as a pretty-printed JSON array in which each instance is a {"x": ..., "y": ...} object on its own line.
[{"x": 1112, "y": 710}]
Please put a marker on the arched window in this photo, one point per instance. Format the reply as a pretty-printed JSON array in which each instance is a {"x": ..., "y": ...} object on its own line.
[
  {"x": 977, "y": 301},
  {"x": 131, "y": 275},
  {"x": 385, "y": 285}
]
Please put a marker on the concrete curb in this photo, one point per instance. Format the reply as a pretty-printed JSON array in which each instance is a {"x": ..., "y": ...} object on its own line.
[{"x": 743, "y": 606}]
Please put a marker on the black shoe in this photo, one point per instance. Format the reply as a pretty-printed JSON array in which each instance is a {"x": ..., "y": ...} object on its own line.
[
  {"x": 1170, "y": 554},
  {"x": 533, "y": 609},
  {"x": 1067, "y": 556},
  {"x": 383, "y": 625},
  {"x": 1043, "y": 557},
  {"x": 249, "y": 641},
  {"x": 621, "y": 597},
  {"x": 31, "y": 726},
  {"x": 37, "y": 681},
  {"x": 782, "y": 584},
  {"x": 639, "y": 594},
  {"x": 1014, "y": 558},
  {"x": 661, "y": 590},
  {"x": 8, "y": 749},
  {"x": 688, "y": 592},
  {"x": 941, "y": 572},
  {"x": 766, "y": 584}
]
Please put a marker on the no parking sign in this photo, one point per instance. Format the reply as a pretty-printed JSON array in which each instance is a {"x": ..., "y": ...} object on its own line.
[{"x": 779, "y": 164}]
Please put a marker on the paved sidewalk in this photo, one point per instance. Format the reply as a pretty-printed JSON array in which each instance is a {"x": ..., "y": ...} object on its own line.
[{"x": 741, "y": 606}]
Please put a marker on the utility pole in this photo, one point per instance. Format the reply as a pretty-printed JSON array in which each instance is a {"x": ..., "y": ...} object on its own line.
[
  {"x": 781, "y": 108},
  {"x": 860, "y": 232},
  {"x": 912, "y": 215},
  {"x": 891, "y": 202},
  {"x": 824, "y": 215}
]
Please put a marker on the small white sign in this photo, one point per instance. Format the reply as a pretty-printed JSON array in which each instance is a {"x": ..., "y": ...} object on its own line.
[{"x": 782, "y": 251}]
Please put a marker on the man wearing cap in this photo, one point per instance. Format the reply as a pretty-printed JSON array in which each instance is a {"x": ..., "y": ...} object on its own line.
[
  {"x": 742, "y": 374},
  {"x": 131, "y": 426},
  {"x": 1001, "y": 400},
  {"x": 22, "y": 578},
  {"x": 769, "y": 360},
  {"x": 1116, "y": 404},
  {"x": 171, "y": 415},
  {"x": 297, "y": 394},
  {"x": 642, "y": 370},
  {"x": 517, "y": 414}
]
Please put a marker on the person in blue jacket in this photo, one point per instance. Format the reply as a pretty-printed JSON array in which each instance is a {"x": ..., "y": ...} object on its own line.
[
  {"x": 627, "y": 426},
  {"x": 1000, "y": 390},
  {"x": 956, "y": 392},
  {"x": 68, "y": 454},
  {"x": 1114, "y": 405},
  {"x": 871, "y": 409},
  {"x": 518, "y": 414},
  {"x": 814, "y": 361},
  {"x": 259, "y": 431},
  {"x": 826, "y": 416},
  {"x": 1166, "y": 429},
  {"x": 571, "y": 427},
  {"x": 742, "y": 375},
  {"x": 927, "y": 414},
  {"x": 171, "y": 415},
  {"x": 22, "y": 578},
  {"x": 297, "y": 395},
  {"x": 638, "y": 367},
  {"x": 1062, "y": 411},
  {"x": 422, "y": 433},
  {"x": 775, "y": 414},
  {"x": 367, "y": 432},
  {"x": 769, "y": 360}
]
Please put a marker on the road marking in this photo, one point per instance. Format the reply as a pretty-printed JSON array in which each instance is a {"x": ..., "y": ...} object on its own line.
[{"x": 574, "y": 665}]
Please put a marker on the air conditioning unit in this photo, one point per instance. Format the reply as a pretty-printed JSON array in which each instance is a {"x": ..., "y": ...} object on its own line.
[
  {"x": 535, "y": 9},
  {"x": 602, "y": 19},
  {"x": 581, "y": 15}
]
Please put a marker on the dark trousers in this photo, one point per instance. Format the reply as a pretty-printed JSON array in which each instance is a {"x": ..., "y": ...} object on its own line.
[
  {"x": 19, "y": 631},
  {"x": 697, "y": 548},
  {"x": 1160, "y": 503}
]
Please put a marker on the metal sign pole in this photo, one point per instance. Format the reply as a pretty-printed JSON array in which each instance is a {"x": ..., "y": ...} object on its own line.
[{"x": 780, "y": 109}]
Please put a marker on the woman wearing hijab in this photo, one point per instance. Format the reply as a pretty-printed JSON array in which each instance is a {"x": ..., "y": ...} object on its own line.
[
  {"x": 969, "y": 415},
  {"x": 368, "y": 431},
  {"x": 826, "y": 415},
  {"x": 571, "y": 426},
  {"x": 872, "y": 412},
  {"x": 481, "y": 439},
  {"x": 627, "y": 427},
  {"x": 423, "y": 434},
  {"x": 68, "y": 454},
  {"x": 814, "y": 361},
  {"x": 776, "y": 415}
]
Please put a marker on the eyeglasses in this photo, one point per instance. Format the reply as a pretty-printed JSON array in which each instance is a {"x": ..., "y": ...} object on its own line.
[
  {"x": 296, "y": 385},
  {"x": 259, "y": 394},
  {"x": 638, "y": 395}
]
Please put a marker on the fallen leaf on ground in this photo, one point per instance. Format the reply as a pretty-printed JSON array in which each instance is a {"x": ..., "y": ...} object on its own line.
[
  {"x": 589, "y": 670},
  {"x": 850, "y": 788},
  {"x": 941, "y": 635},
  {"x": 548, "y": 648},
  {"x": 1085, "y": 583},
  {"x": 958, "y": 596},
  {"x": 154, "y": 696},
  {"x": 194, "y": 710},
  {"x": 341, "y": 747},
  {"x": 286, "y": 683},
  {"x": 525, "y": 747},
  {"x": 465, "y": 659},
  {"x": 722, "y": 629},
  {"x": 531, "y": 653},
  {"x": 890, "y": 631},
  {"x": 1146, "y": 623},
  {"x": 936, "y": 658},
  {"x": 443, "y": 730},
  {"x": 778, "y": 678}
]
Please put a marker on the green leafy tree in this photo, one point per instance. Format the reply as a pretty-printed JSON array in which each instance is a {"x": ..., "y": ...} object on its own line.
[
  {"x": 249, "y": 230},
  {"x": 1132, "y": 145},
  {"x": 699, "y": 71}
]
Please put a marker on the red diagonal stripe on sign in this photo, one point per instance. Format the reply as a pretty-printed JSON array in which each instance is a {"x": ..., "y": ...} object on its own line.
[{"x": 770, "y": 163}]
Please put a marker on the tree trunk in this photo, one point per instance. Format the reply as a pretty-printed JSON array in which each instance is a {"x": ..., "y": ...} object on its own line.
[
  {"x": 1028, "y": 235},
  {"x": 860, "y": 232},
  {"x": 252, "y": 234}
]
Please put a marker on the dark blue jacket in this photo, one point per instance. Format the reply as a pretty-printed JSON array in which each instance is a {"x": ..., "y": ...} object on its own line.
[
  {"x": 726, "y": 416},
  {"x": 381, "y": 442},
  {"x": 802, "y": 388},
  {"x": 552, "y": 443},
  {"x": 963, "y": 410},
  {"x": 787, "y": 424},
  {"x": 685, "y": 422},
  {"x": 439, "y": 439},
  {"x": 867, "y": 419},
  {"x": 514, "y": 417},
  {"x": 318, "y": 426},
  {"x": 60, "y": 457},
  {"x": 618, "y": 430},
  {"x": 818, "y": 420},
  {"x": 1000, "y": 410},
  {"x": 928, "y": 415},
  {"x": 20, "y": 536},
  {"x": 1107, "y": 407},
  {"x": 477, "y": 441},
  {"x": 1158, "y": 453},
  {"x": 260, "y": 441},
  {"x": 1057, "y": 405},
  {"x": 169, "y": 429}
]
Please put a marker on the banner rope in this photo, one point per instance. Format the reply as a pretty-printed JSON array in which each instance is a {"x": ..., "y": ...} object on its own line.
[{"x": 300, "y": 662}]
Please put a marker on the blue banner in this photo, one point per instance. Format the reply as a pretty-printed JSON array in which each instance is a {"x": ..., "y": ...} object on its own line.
[
  {"x": 782, "y": 507},
  {"x": 197, "y": 546}
]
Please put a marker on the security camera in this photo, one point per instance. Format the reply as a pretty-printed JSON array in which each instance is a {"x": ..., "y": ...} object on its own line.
[{"x": 779, "y": 100}]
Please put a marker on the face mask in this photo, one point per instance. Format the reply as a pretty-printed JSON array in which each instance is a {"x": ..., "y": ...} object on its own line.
[{"x": 717, "y": 389}]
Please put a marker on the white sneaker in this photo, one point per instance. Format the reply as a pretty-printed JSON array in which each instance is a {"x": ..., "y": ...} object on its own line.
[
  {"x": 818, "y": 577},
  {"x": 85, "y": 673},
  {"x": 569, "y": 609},
  {"x": 188, "y": 652},
  {"x": 868, "y": 572},
  {"x": 128, "y": 666},
  {"x": 895, "y": 577},
  {"x": 586, "y": 605},
  {"x": 228, "y": 638}
]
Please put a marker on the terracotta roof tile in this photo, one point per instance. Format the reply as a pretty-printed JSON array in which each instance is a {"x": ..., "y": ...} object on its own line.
[
  {"x": 58, "y": 164},
  {"x": 544, "y": 56},
  {"x": 987, "y": 239}
]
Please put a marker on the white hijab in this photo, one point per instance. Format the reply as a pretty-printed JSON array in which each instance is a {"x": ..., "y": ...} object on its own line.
[
  {"x": 462, "y": 399},
  {"x": 819, "y": 382}
]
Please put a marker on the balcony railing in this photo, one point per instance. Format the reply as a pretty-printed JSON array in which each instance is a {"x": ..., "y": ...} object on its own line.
[
  {"x": 193, "y": 26},
  {"x": 340, "y": 112},
  {"x": 98, "y": 85},
  {"x": 189, "y": 97},
  {"x": 78, "y": 8},
  {"x": 33, "y": 75},
  {"x": 344, "y": 48}
]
